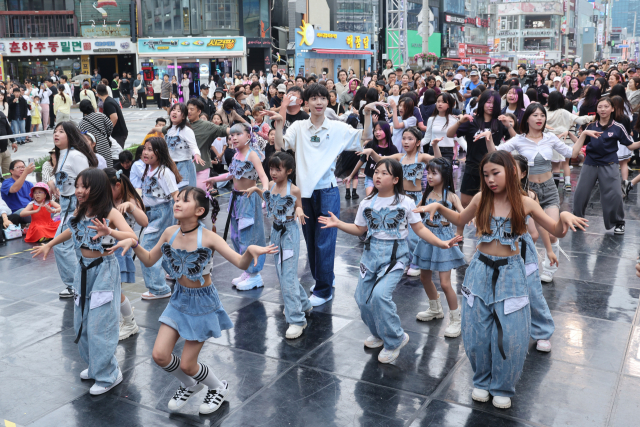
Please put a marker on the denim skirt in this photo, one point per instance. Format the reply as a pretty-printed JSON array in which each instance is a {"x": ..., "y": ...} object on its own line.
[
  {"x": 188, "y": 172},
  {"x": 127, "y": 267},
  {"x": 429, "y": 257}
]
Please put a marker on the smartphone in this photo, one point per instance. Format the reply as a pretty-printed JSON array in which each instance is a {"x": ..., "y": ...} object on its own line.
[
  {"x": 589, "y": 80},
  {"x": 31, "y": 160}
]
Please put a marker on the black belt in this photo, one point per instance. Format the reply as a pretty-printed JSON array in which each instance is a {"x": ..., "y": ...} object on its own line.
[
  {"x": 281, "y": 228},
  {"x": 495, "y": 265},
  {"x": 232, "y": 204},
  {"x": 394, "y": 261},
  {"x": 83, "y": 290}
]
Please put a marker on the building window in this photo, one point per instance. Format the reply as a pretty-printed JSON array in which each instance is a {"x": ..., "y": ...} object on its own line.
[
  {"x": 509, "y": 22},
  {"x": 163, "y": 17},
  {"x": 509, "y": 44},
  {"x": 533, "y": 22},
  {"x": 17, "y": 5},
  {"x": 538, "y": 44},
  {"x": 220, "y": 14}
]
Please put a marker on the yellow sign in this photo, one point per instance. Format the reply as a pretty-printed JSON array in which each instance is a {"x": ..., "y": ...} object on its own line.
[
  {"x": 366, "y": 42},
  {"x": 222, "y": 43},
  {"x": 85, "y": 64},
  {"x": 308, "y": 34},
  {"x": 350, "y": 41},
  {"x": 1, "y": 69}
]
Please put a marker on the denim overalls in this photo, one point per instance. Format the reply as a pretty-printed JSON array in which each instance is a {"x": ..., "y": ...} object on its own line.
[
  {"x": 186, "y": 167},
  {"x": 66, "y": 255},
  {"x": 413, "y": 172},
  {"x": 197, "y": 314},
  {"x": 127, "y": 267},
  {"x": 97, "y": 304},
  {"x": 496, "y": 317},
  {"x": 245, "y": 214},
  {"x": 286, "y": 235},
  {"x": 160, "y": 217},
  {"x": 429, "y": 257},
  {"x": 381, "y": 268}
]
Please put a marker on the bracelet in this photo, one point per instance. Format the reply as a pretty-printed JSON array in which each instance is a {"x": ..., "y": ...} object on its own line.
[{"x": 133, "y": 247}]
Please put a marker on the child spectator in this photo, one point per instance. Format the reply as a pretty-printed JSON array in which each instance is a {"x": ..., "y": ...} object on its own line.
[{"x": 42, "y": 228}]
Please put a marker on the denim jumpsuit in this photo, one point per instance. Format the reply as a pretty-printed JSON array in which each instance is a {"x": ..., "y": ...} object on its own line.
[
  {"x": 97, "y": 304},
  {"x": 186, "y": 167},
  {"x": 381, "y": 268},
  {"x": 127, "y": 267},
  {"x": 286, "y": 235},
  {"x": 66, "y": 255},
  {"x": 413, "y": 172},
  {"x": 197, "y": 314},
  {"x": 160, "y": 217},
  {"x": 496, "y": 318},
  {"x": 245, "y": 214}
]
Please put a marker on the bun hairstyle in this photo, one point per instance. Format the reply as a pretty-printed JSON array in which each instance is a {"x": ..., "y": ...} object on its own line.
[{"x": 203, "y": 200}]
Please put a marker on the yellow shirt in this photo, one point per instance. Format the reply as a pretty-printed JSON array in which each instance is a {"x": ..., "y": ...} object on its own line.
[{"x": 61, "y": 107}]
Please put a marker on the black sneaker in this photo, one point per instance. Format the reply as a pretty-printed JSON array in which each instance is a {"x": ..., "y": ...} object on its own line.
[
  {"x": 619, "y": 229},
  {"x": 347, "y": 194}
]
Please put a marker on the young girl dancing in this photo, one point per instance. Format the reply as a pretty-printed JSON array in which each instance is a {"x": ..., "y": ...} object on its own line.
[
  {"x": 159, "y": 189},
  {"x": 195, "y": 312},
  {"x": 183, "y": 148},
  {"x": 130, "y": 205},
  {"x": 431, "y": 258},
  {"x": 42, "y": 227},
  {"x": 284, "y": 205},
  {"x": 413, "y": 164},
  {"x": 245, "y": 211},
  {"x": 496, "y": 317},
  {"x": 93, "y": 228},
  {"x": 384, "y": 216}
]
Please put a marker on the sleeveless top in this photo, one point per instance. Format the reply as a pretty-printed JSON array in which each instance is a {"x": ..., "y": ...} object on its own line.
[
  {"x": 540, "y": 165},
  {"x": 82, "y": 235},
  {"x": 193, "y": 265},
  {"x": 413, "y": 171},
  {"x": 501, "y": 231},
  {"x": 280, "y": 207},
  {"x": 438, "y": 219},
  {"x": 384, "y": 220},
  {"x": 243, "y": 169}
]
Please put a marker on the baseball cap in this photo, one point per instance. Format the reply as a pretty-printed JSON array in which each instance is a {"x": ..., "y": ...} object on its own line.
[
  {"x": 204, "y": 86},
  {"x": 557, "y": 79},
  {"x": 473, "y": 73},
  {"x": 462, "y": 68},
  {"x": 513, "y": 73},
  {"x": 282, "y": 88},
  {"x": 631, "y": 70},
  {"x": 450, "y": 74},
  {"x": 493, "y": 76}
]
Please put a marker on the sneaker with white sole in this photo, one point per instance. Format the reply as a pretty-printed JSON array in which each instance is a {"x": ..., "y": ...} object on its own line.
[
  {"x": 373, "y": 342},
  {"x": 333, "y": 285},
  {"x": 502, "y": 402},
  {"x": 567, "y": 186},
  {"x": 251, "y": 282},
  {"x": 96, "y": 390},
  {"x": 128, "y": 327},
  {"x": 294, "y": 331},
  {"x": 214, "y": 399},
  {"x": 182, "y": 395},
  {"x": 317, "y": 301},
  {"x": 244, "y": 276},
  {"x": 619, "y": 229},
  {"x": 480, "y": 395},
  {"x": 84, "y": 375},
  {"x": 149, "y": 296},
  {"x": 433, "y": 312},
  {"x": 543, "y": 346},
  {"x": 67, "y": 293},
  {"x": 388, "y": 356},
  {"x": 546, "y": 276},
  {"x": 413, "y": 272}
]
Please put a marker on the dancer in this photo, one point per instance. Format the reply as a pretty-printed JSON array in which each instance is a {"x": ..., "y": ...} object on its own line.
[
  {"x": 74, "y": 156},
  {"x": 130, "y": 205},
  {"x": 245, "y": 211},
  {"x": 384, "y": 216},
  {"x": 195, "y": 312},
  {"x": 496, "y": 316},
  {"x": 429, "y": 258},
  {"x": 92, "y": 229},
  {"x": 42, "y": 227},
  {"x": 159, "y": 189},
  {"x": 284, "y": 205}
]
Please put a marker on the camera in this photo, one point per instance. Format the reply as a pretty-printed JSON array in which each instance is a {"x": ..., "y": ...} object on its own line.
[
  {"x": 531, "y": 77},
  {"x": 502, "y": 76}
]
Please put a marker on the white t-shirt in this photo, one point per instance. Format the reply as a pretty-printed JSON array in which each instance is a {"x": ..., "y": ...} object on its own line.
[
  {"x": 437, "y": 128},
  {"x": 406, "y": 203},
  {"x": 167, "y": 185},
  {"x": 186, "y": 148},
  {"x": 74, "y": 163},
  {"x": 397, "y": 133},
  {"x": 135, "y": 176},
  {"x": 395, "y": 98},
  {"x": 102, "y": 163},
  {"x": 219, "y": 144}
]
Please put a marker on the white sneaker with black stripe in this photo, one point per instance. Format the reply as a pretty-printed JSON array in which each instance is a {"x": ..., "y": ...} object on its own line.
[
  {"x": 182, "y": 396},
  {"x": 214, "y": 399}
]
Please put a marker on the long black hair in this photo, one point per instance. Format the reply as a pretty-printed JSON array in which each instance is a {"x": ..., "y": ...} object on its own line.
[
  {"x": 451, "y": 102},
  {"x": 183, "y": 110},
  {"x": 128, "y": 191},
  {"x": 161, "y": 151},
  {"x": 284, "y": 160},
  {"x": 621, "y": 91},
  {"x": 75, "y": 140},
  {"x": 479, "y": 118},
  {"x": 100, "y": 200},
  {"x": 591, "y": 96},
  {"x": 442, "y": 166},
  {"x": 555, "y": 101},
  {"x": 395, "y": 169},
  {"x": 532, "y": 108},
  {"x": 203, "y": 200}
]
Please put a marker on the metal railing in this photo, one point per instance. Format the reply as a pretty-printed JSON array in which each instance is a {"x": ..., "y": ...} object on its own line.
[{"x": 34, "y": 24}]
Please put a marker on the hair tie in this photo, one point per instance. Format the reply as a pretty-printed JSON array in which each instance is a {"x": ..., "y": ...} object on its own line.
[{"x": 118, "y": 174}]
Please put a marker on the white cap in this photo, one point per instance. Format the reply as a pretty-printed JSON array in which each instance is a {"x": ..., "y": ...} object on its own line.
[{"x": 557, "y": 79}]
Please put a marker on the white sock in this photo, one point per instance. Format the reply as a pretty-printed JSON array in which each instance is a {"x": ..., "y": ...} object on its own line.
[
  {"x": 125, "y": 307},
  {"x": 567, "y": 180},
  {"x": 174, "y": 369},
  {"x": 206, "y": 377}
]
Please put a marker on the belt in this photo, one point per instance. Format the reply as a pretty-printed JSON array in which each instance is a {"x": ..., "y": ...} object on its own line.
[
  {"x": 281, "y": 228},
  {"x": 232, "y": 204},
  {"x": 442, "y": 224},
  {"x": 495, "y": 265},
  {"x": 83, "y": 289},
  {"x": 394, "y": 261}
]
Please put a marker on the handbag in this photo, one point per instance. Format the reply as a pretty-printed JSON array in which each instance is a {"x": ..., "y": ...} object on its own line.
[
  {"x": 111, "y": 139},
  {"x": 13, "y": 232}
]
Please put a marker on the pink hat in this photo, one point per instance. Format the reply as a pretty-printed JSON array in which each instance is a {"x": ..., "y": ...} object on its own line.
[{"x": 42, "y": 186}]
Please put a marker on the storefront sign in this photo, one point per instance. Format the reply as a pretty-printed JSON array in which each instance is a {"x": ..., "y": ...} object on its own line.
[
  {"x": 193, "y": 45},
  {"x": 462, "y": 50},
  {"x": 1, "y": 69},
  {"x": 538, "y": 8},
  {"x": 307, "y": 37},
  {"x": 17, "y": 47},
  {"x": 454, "y": 19},
  {"x": 85, "y": 64},
  {"x": 258, "y": 42},
  {"x": 477, "y": 49},
  {"x": 508, "y": 33},
  {"x": 105, "y": 31},
  {"x": 539, "y": 33},
  {"x": 480, "y": 23}
]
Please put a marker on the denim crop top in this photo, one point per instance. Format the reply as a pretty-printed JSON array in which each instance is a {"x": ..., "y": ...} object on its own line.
[
  {"x": 83, "y": 236},
  {"x": 501, "y": 231},
  {"x": 384, "y": 220},
  {"x": 413, "y": 171},
  {"x": 438, "y": 219},
  {"x": 193, "y": 265},
  {"x": 243, "y": 169},
  {"x": 280, "y": 207}
]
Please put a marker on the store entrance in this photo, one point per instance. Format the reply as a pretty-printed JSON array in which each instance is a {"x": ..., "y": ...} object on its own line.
[
  {"x": 192, "y": 70},
  {"x": 107, "y": 66}
]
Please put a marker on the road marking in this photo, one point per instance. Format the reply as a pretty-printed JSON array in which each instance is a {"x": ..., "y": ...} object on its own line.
[{"x": 16, "y": 253}]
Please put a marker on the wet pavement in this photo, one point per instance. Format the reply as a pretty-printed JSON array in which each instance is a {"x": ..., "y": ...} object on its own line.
[{"x": 327, "y": 377}]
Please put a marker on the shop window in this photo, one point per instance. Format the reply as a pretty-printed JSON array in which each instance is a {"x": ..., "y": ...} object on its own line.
[
  {"x": 509, "y": 44},
  {"x": 534, "y": 22},
  {"x": 509, "y": 22},
  {"x": 163, "y": 17},
  {"x": 537, "y": 44},
  {"x": 220, "y": 14}
]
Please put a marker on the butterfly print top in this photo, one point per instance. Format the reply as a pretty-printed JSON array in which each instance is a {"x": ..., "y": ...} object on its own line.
[
  {"x": 82, "y": 235},
  {"x": 243, "y": 169},
  {"x": 386, "y": 220},
  {"x": 151, "y": 187},
  {"x": 193, "y": 265},
  {"x": 500, "y": 231},
  {"x": 413, "y": 171},
  {"x": 437, "y": 219},
  {"x": 280, "y": 207}
]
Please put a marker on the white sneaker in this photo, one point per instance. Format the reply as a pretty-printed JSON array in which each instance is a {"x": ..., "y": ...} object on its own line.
[
  {"x": 546, "y": 276},
  {"x": 333, "y": 285},
  {"x": 480, "y": 395},
  {"x": 502, "y": 402},
  {"x": 214, "y": 399},
  {"x": 433, "y": 312},
  {"x": 253, "y": 281},
  {"x": 95, "y": 390},
  {"x": 388, "y": 356},
  {"x": 67, "y": 293},
  {"x": 317, "y": 301},
  {"x": 373, "y": 342},
  {"x": 544, "y": 346},
  {"x": 84, "y": 375},
  {"x": 183, "y": 394},
  {"x": 294, "y": 331},
  {"x": 149, "y": 296},
  {"x": 128, "y": 327},
  {"x": 413, "y": 272},
  {"x": 244, "y": 276}
]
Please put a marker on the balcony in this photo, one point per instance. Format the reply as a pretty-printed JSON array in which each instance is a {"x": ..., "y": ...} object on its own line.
[{"x": 38, "y": 24}]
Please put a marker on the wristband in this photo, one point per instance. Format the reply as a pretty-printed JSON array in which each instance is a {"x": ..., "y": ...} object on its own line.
[{"x": 133, "y": 247}]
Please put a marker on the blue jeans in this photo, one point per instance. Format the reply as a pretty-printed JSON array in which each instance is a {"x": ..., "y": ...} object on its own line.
[
  {"x": 247, "y": 227},
  {"x": 17, "y": 126},
  {"x": 100, "y": 320},
  {"x": 188, "y": 172},
  {"x": 379, "y": 312},
  {"x": 160, "y": 217},
  {"x": 321, "y": 243},
  {"x": 294, "y": 296},
  {"x": 542, "y": 325},
  {"x": 66, "y": 255}
]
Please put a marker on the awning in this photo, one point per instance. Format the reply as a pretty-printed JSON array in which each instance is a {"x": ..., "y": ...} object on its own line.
[{"x": 343, "y": 51}]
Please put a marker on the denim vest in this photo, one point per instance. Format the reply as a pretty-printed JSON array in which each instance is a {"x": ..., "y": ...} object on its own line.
[
  {"x": 83, "y": 236},
  {"x": 413, "y": 171},
  {"x": 193, "y": 265},
  {"x": 501, "y": 231},
  {"x": 243, "y": 169},
  {"x": 280, "y": 207}
]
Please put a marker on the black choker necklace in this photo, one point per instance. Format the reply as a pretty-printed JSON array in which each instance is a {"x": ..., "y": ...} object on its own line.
[{"x": 194, "y": 229}]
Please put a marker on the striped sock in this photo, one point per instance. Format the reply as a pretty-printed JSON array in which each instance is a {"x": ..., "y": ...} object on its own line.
[
  {"x": 174, "y": 369},
  {"x": 206, "y": 377}
]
